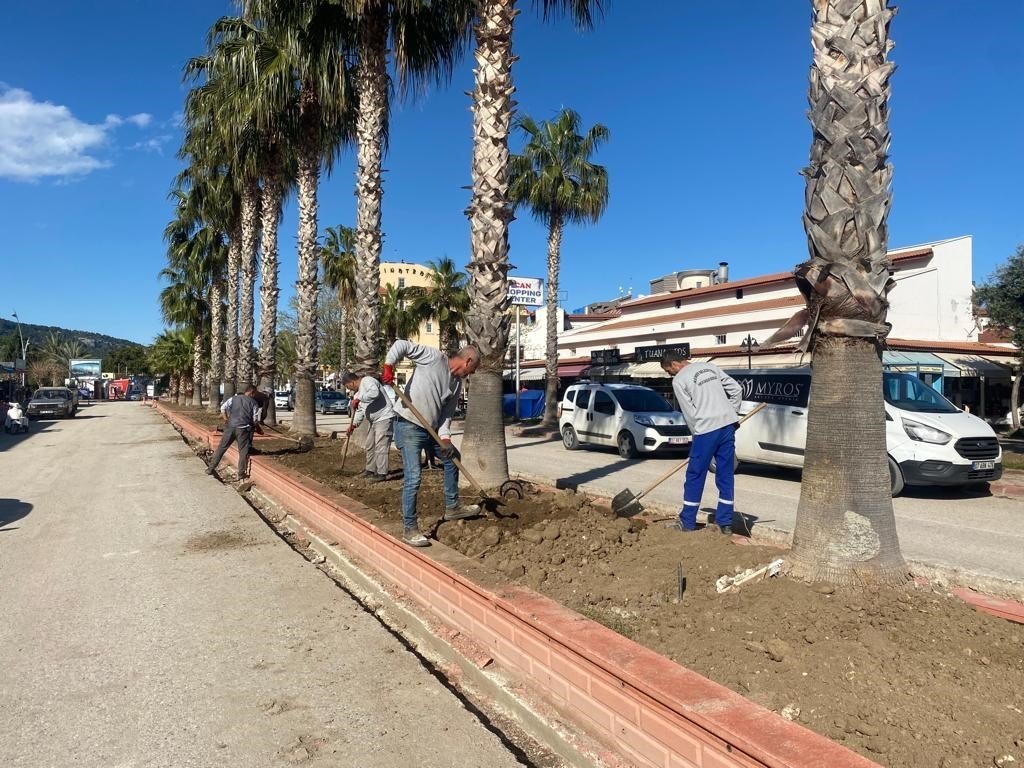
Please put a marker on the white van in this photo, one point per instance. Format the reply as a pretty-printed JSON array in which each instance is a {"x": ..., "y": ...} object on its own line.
[
  {"x": 929, "y": 440},
  {"x": 631, "y": 418}
]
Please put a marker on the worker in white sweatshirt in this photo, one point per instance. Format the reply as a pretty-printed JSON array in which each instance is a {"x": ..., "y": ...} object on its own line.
[
  {"x": 373, "y": 403},
  {"x": 710, "y": 402},
  {"x": 434, "y": 389}
]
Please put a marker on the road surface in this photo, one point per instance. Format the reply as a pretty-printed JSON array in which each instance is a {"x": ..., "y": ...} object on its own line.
[
  {"x": 942, "y": 528},
  {"x": 150, "y": 618}
]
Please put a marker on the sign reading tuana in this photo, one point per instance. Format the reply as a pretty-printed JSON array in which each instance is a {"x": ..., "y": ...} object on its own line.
[
  {"x": 654, "y": 353},
  {"x": 526, "y": 291}
]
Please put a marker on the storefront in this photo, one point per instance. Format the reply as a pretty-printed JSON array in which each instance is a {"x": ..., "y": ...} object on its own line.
[{"x": 981, "y": 384}]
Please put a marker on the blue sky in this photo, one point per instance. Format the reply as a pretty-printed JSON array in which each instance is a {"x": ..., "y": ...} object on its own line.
[{"x": 705, "y": 103}]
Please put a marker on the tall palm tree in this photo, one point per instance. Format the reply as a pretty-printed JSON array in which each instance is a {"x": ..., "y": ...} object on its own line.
[
  {"x": 59, "y": 351},
  {"x": 845, "y": 530},
  {"x": 399, "y": 317},
  {"x": 444, "y": 299},
  {"x": 426, "y": 39},
  {"x": 489, "y": 213},
  {"x": 339, "y": 263},
  {"x": 171, "y": 354},
  {"x": 555, "y": 178},
  {"x": 304, "y": 58}
]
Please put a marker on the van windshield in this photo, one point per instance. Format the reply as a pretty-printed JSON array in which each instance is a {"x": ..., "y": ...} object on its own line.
[
  {"x": 909, "y": 393},
  {"x": 641, "y": 401}
]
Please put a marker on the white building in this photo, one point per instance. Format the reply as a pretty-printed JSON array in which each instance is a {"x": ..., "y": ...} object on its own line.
[{"x": 934, "y": 331}]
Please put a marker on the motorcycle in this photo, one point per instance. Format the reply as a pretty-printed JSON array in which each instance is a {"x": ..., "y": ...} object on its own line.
[{"x": 16, "y": 420}]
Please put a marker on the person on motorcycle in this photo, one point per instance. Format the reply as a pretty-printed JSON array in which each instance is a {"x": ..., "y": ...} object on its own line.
[{"x": 16, "y": 419}]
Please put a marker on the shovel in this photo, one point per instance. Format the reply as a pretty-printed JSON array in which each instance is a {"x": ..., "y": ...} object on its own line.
[
  {"x": 486, "y": 501},
  {"x": 627, "y": 504},
  {"x": 348, "y": 439},
  {"x": 304, "y": 443}
]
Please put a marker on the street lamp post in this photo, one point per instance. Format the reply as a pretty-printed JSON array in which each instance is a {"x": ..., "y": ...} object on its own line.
[
  {"x": 749, "y": 344},
  {"x": 24, "y": 348}
]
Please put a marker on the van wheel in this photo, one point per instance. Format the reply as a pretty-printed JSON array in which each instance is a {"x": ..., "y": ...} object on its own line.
[
  {"x": 713, "y": 466},
  {"x": 626, "y": 445},
  {"x": 569, "y": 438},
  {"x": 895, "y": 478}
]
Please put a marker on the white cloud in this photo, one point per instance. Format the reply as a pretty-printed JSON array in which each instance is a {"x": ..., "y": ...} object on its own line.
[
  {"x": 154, "y": 144},
  {"x": 40, "y": 139}
]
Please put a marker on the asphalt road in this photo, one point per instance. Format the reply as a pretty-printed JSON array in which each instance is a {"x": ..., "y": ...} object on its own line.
[
  {"x": 150, "y": 618},
  {"x": 944, "y": 528}
]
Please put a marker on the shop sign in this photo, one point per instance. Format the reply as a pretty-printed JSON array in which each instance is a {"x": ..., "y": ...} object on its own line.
[{"x": 657, "y": 351}]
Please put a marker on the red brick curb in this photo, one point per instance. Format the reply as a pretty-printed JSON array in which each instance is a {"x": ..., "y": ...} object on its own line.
[
  {"x": 996, "y": 606},
  {"x": 652, "y": 710}
]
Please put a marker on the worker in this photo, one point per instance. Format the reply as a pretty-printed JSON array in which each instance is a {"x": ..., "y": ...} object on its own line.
[
  {"x": 434, "y": 389},
  {"x": 710, "y": 401},
  {"x": 373, "y": 403},
  {"x": 241, "y": 416}
]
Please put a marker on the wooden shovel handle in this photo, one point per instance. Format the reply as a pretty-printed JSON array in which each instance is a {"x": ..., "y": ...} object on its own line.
[
  {"x": 682, "y": 464},
  {"x": 433, "y": 433}
]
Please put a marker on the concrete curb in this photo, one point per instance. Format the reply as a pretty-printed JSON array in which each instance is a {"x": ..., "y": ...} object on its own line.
[{"x": 649, "y": 709}]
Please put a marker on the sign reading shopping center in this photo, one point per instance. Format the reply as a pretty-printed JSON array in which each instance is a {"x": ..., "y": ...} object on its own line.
[{"x": 526, "y": 291}]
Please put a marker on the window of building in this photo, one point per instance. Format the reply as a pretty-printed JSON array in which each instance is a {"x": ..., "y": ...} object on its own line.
[
  {"x": 401, "y": 282},
  {"x": 679, "y": 303},
  {"x": 720, "y": 339},
  {"x": 430, "y": 327},
  {"x": 682, "y": 325},
  {"x": 739, "y": 293},
  {"x": 700, "y": 284}
]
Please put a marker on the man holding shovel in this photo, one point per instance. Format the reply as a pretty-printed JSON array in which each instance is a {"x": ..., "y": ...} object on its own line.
[
  {"x": 241, "y": 415},
  {"x": 710, "y": 401},
  {"x": 433, "y": 389},
  {"x": 374, "y": 404}
]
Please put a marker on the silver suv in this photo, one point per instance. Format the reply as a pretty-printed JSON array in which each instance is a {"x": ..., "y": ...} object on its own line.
[{"x": 631, "y": 418}]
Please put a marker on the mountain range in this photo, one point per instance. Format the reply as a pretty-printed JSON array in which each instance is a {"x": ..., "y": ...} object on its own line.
[{"x": 94, "y": 345}]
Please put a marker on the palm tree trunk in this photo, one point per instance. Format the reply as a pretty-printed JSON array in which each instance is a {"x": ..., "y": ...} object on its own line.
[
  {"x": 551, "y": 386},
  {"x": 231, "y": 331},
  {"x": 343, "y": 352},
  {"x": 845, "y": 529},
  {"x": 372, "y": 87},
  {"x": 175, "y": 387},
  {"x": 307, "y": 286},
  {"x": 197, "y": 368},
  {"x": 250, "y": 218},
  {"x": 270, "y": 217},
  {"x": 216, "y": 343},
  {"x": 489, "y": 215}
]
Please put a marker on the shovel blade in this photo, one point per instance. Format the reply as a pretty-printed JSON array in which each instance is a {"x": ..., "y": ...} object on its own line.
[{"x": 626, "y": 504}]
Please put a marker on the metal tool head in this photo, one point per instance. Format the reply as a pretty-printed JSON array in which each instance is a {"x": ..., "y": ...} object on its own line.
[
  {"x": 513, "y": 489},
  {"x": 626, "y": 504}
]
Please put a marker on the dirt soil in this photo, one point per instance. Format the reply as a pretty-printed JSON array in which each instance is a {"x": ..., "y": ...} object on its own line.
[{"x": 910, "y": 678}]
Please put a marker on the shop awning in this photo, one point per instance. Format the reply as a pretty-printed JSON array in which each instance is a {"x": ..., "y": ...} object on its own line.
[
  {"x": 571, "y": 370},
  {"x": 621, "y": 369},
  {"x": 525, "y": 374},
  {"x": 917, "y": 362},
  {"x": 774, "y": 360},
  {"x": 976, "y": 365}
]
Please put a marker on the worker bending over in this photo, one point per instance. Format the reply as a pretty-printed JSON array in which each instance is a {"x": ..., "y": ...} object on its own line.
[{"x": 373, "y": 403}]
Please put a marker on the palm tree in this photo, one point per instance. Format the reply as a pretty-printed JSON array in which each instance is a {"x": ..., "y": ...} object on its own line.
[
  {"x": 339, "y": 264},
  {"x": 303, "y": 62},
  {"x": 399, "y": 317},
  {"x": 426, "y": 39},
  {"x": 489, "y": 213},
  {"x": 556, "y": 180},
  {"x": 171, "y": 354},
  {"x": 445, "y": 300},
  {"x": 845, "y": 530},
  {"x": 59, "y": 351}
]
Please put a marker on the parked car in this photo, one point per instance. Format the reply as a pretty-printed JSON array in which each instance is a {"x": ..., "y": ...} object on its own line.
[
  {"x": 283, "y": 400},
  {"x": 329, "y": 401},
  {"x": 929, "y": 440},
  {"x": 134, "y": 394},
  {"x": 60, "y": 402},
  {"x": 631, "y": 418}
]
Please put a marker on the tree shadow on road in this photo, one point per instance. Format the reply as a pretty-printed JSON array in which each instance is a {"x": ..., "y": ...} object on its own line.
[{"x": 12, "y": 510}]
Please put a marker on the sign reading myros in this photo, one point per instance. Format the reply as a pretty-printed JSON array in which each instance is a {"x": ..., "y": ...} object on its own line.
[{"x": 526, "y": 291}]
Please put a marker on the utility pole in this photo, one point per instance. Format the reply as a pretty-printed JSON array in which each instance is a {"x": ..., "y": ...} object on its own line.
[{"x": 24, "y": 348}]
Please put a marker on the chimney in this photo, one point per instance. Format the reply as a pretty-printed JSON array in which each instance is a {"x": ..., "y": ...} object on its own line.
[{"x": 723, "y": 271}]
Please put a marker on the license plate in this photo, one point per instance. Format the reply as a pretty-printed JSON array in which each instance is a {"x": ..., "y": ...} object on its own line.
[
  {"x": 678, "y": 440},
  {"x": 983, "y": 465}
]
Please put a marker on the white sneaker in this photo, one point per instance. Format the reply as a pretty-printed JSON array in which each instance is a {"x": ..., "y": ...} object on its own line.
[
  {"x": 461, "y": 512},
  {"x": 414, "y": 538}
]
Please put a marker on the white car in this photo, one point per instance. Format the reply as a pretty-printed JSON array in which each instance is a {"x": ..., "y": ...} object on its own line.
[
  {"x": 631, "y": 418},
  {"x": 283, "y": 400},
  {"x": 929, "y": 440}
]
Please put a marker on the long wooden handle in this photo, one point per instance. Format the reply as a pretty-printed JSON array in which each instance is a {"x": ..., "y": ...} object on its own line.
[
  {"x": 682, "y": 464},
  {"x": 433, "y": 433}
]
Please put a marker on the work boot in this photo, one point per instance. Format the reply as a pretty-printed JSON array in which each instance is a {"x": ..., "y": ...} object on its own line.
[
  {"x": 414, "y": 538},
  {"x": 375, "y": 478},
  {"x": 726, "y": 529},
  {"x": 367, "y": 474},
  {"x": 461, "y": 512}
]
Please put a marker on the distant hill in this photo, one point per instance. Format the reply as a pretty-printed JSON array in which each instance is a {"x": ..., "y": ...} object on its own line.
[{"x": 93, "y": 344}]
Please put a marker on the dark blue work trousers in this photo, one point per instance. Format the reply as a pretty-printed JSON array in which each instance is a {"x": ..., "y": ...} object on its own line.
[{"x": 719, "y": 445}]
